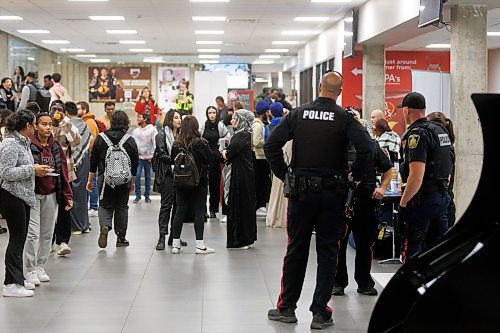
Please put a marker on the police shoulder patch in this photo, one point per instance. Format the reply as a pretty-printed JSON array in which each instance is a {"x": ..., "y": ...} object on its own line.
[{"x": 413, "y": 141}]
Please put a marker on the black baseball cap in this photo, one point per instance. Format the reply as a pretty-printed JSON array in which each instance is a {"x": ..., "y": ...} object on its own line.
[
  {"x": 413, "y": 100},
  {"x": 33, "y": 75}
]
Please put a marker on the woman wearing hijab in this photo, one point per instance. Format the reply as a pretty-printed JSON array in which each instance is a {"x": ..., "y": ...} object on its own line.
[{"x": 241, "y": 221}]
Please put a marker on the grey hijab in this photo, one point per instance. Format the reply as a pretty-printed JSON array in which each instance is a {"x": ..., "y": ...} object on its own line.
[{"x": 244, "y": 120}]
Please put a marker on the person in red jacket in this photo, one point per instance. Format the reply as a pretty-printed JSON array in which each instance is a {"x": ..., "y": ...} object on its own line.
[{"x": 146, "y": 104}]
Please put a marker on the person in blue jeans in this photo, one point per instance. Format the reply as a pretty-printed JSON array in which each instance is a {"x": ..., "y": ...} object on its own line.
[
  {"x": 94, "y": 200},
  {"x": 144, "y": 136}
]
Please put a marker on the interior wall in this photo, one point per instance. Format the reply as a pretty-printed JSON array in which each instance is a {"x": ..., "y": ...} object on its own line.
[{"x": 494, "y": 71}]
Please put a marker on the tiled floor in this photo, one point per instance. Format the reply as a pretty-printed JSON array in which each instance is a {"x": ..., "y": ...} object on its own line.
[{"x": 140, "y": 290}]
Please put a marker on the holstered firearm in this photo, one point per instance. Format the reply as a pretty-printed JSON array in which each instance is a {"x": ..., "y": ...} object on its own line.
[
  {"x": 349, "y": 203},
  {"x": 290, "y": 188}
]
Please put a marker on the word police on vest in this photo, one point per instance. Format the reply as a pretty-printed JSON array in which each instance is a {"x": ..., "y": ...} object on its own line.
[
  {"x": 444, "y": 140},
  {"x": 319, "y": 115}
]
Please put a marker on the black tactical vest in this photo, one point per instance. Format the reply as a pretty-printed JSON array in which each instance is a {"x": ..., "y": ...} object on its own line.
[{"x": 320, "y": 139}]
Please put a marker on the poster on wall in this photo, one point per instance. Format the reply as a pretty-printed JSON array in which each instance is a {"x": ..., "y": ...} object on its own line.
[
  {"x": 120, "y": 84},
  {"x": 398, "y": 79},
  {"x": 169, "y": 80},
  {"x": 244, "y": 96}
]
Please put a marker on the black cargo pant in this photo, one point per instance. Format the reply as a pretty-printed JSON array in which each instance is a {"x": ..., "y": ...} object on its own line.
[
  {"x": 323, "y": 212},
  {"x": 364, "y": 229},
  {"x": 113, "y": 207},
  {"x": 167, "y": 205}
]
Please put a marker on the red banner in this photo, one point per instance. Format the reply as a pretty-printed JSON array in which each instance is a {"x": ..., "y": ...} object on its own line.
[{"x": 398, "y": 79}]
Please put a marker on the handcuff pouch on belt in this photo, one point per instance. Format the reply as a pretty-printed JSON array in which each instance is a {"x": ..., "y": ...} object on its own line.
[{"x": 298, "y": 186}]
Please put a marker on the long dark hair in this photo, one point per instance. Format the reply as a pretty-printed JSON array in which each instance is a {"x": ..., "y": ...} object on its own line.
[
  {"x": 217, "y": 116},
  {"x": 441, "y": 118},
  {"x": 4, "y": 114},
  {"x": 381, "y": 126},
  {"x": 169, "y": 118},
  {"x": 20, "y": 70},
  {"x": 19, "y": 120},
  {"x": 189, "y": 132}
]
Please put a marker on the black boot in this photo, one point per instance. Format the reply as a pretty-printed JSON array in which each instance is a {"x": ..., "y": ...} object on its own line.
[{"x": 161, "y": 243}]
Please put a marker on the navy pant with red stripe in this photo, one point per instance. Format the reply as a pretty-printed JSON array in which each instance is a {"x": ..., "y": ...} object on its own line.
[{"x": 323, "y": 212}]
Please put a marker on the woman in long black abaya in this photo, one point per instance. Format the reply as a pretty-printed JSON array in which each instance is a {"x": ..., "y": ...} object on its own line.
[{"x": 241, "y": 221}]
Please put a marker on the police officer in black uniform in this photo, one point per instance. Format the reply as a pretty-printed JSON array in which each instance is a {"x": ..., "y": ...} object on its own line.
[
  {"x": 426, "y": 171},
  {"x": 363, "y": 225},
  {"x": 321, "y": 132}
]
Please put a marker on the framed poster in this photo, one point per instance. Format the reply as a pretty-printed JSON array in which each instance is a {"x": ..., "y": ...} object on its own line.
[
  {"x": 120, "y": 84},
  {"x": 169, "y": 80},
  {"x": 244, "y": 96}
]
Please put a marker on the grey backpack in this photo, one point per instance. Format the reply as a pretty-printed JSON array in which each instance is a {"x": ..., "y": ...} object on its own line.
[{"x": 117, "y": 164}]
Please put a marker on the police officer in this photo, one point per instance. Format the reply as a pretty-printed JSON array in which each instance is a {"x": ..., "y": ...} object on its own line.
[
  {"x": 426, "y": 171},
  {"x": 320, "y": 131},
  {"x": 363, "y": 225}
]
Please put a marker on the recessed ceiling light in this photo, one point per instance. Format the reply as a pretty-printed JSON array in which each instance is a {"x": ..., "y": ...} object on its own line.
[
  {"x": 140, "y": 50},
  {"x": 153, "y": 60},
  {"x": 209, "y": 56},
  {"x": 263, "y": 62},
  {"x": 311, "y": 19},
  {"x": 330, "y": 1},
  {"x": 276, "y": 50},
  {"x": 100, "y": 60},
  {"x": 132, "y": 41},
  {"x": 55, "y": 41},
  {"x": 209, "y": 50},
  {"x": 33, "y": 31},
  {"x": 210, "y": 18},
  {"x": 210, "y": 0},
  {"x": 300, "y": 32},
  {"x": 209, "y": 32},
  {"x": 270, "y": 56},
  {"x": 209, "y": 42},
  {"x": 438, "y": 46},
  {"x": 208, "y": 61},
  {"x": 10, "y": 18},
  {"x": 494, "y": 33},
  {"x": 31, "y": 58},
  {"x": 107, "y": 18},
  {"x": 285, "y": 42},
  {"x": 122, "y": 32},
  {"x": 86, "y": 56},
  {"x": 72, "y": 50}
]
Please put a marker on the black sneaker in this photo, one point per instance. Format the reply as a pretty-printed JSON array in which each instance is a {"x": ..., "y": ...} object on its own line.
[
  {"x": 122, "y": 242},
  {"x": 319, "y": 322},
  {"x": 338, "y": 291},
  {"x": 370, "y": 291},
  {"x": 161, "y": 243},
  {"x": 285, "y": 316},
  {"x": 148, "y": 200},
  {"x": 103, "y": 237},
  {"x": 136, "y": 200}
]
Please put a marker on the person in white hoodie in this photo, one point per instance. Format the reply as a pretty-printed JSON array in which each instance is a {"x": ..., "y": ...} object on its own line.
[{"x": 144, "y": 136}]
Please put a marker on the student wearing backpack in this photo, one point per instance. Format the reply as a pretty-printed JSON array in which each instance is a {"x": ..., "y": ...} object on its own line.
[
  {"x": 34, "y": 92},
  {"x": 192, "y": 157},
  {"x": 115, "y": 157}
]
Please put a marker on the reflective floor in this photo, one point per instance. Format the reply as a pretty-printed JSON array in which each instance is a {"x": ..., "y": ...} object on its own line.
[{"x": 138, "y": 289}]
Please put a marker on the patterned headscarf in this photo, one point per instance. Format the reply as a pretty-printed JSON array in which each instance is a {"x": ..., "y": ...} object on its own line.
[{"x": 244, "y": 120}]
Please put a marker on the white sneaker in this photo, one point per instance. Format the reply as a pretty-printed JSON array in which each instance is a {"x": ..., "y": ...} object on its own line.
[
  {"x": 176, "y": 246},
  {"x": 32, "y": 277},
  {"x": 261, "y": 211},
  {"x": 15, "y": 290},
  {"x": 64, "y": 249},
  {"x": 93, "y": 213},
  {"x": 42, "y": 276},
  {"x": 29, "y": 286},
  {"x": 202, "y": 248},
  {"x": 223, "y": 220}
]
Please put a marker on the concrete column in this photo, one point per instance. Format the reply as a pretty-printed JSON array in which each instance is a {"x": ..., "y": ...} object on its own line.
[
  {"x": 287, "y": 83},
  {"x": 4, "y": 55},
  {"x": 373, "y": 79},
  {"x": 469, "y": 74},
  {"x": 46, "y": 63}
]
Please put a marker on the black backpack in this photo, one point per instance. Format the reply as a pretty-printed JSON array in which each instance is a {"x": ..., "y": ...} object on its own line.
[
  {"x": 41, "y": 96},
  {"x": 185, "y": 171}
]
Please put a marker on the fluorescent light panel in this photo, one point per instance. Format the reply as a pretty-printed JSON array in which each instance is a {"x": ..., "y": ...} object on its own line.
[
  {"x": 33, "y": 31},
  {"x": 209, "y": 42},
  {"x": 132, "y": 41},
  {"x": 107, "y": 18},
  {"x": 208, "y": 61},
  {"x": 210, "y": 18},
  {"x": 153, "y": 60},
  {"x": 209, "y": 32},
  {"x": 72, "y": 50},
  {"x": 438, "y": 46},
  {"x": 270, "y": 56},
  {"x": 300, "y": 32},
  {"x": 285, "y": 42},
  {"x": 97, "y": 61},
  {"x": 122, "y": 32},
  {"x": 494, "y": 33},
  {"x": 263, "y": 62},
  {"x": 86, "y": 56},
  {"x": 311, "y": 19},
  {"x": 276, "y": 50},
  {"x": 209, "y": 56},
  {"x": 140, "y": 50},
  {"x": 31, "y": 58},
  {"x": 10, "y": 18},
  {"x": 55, "y": 41},
  {"x": 209, "y": 50}
]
